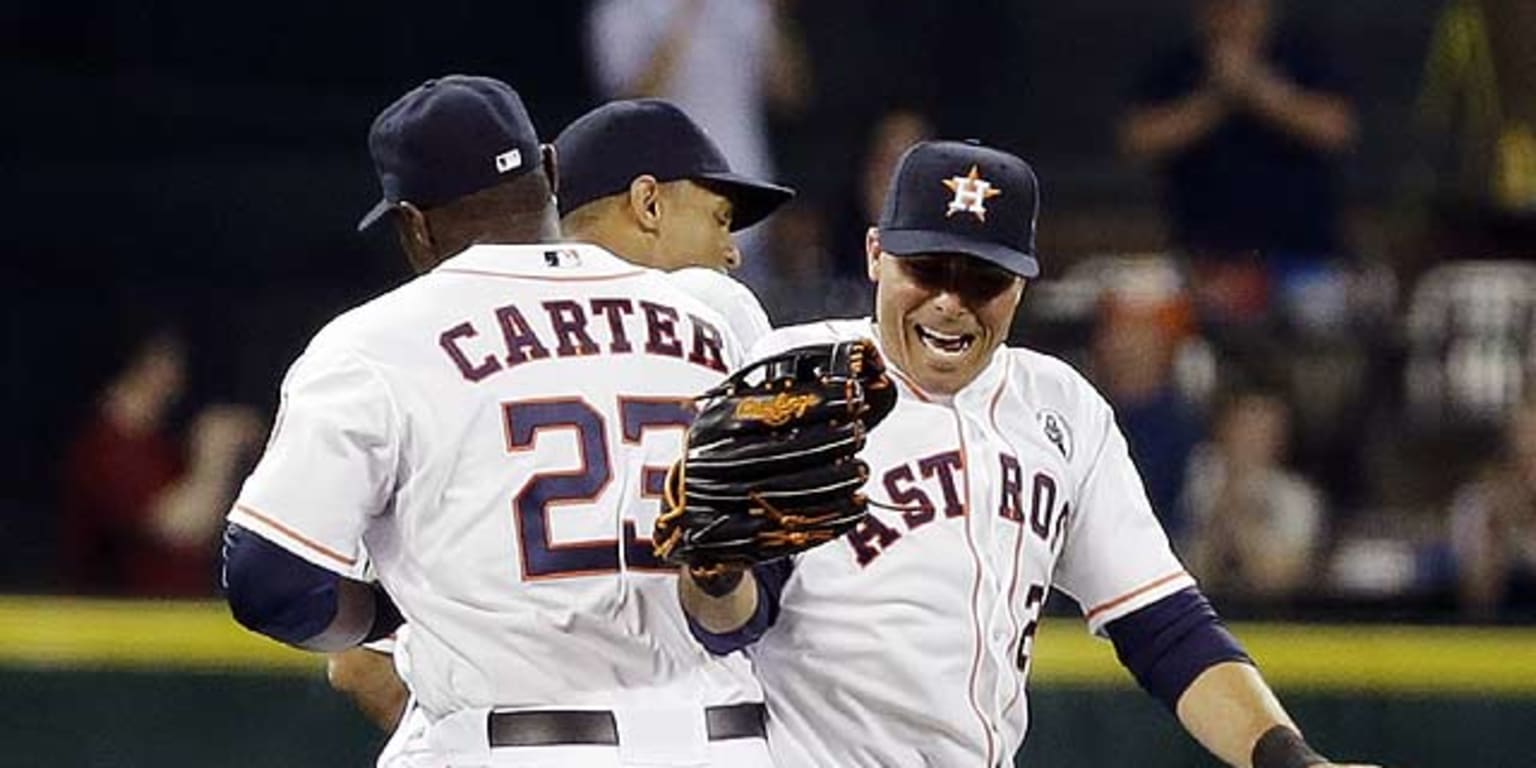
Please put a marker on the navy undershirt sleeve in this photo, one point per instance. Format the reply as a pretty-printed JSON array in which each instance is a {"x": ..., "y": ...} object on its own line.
[
  {"x": 1167, "y": 644},
  {"x": 274, "y": 592},
  {"x": 770, "y": 585}
]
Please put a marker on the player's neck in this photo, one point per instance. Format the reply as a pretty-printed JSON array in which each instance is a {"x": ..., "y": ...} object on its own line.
[
  {"x": 539, "y": 226},
  {"x": 513, "y": 229}
]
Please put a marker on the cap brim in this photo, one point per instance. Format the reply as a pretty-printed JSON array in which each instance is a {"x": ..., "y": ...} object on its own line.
[
  {"x": 751, "y": 200},
  {"x": 910, "y": 242},
  {"x": 374, "y": 214}
]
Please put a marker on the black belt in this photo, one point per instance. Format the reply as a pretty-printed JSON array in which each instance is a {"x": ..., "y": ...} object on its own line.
[{"x": 551, "y": 727}]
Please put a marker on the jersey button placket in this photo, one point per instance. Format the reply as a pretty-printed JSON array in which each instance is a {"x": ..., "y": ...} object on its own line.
[
  {"x": 980, "y": 534},
  {"x": 983, "y": 437}
]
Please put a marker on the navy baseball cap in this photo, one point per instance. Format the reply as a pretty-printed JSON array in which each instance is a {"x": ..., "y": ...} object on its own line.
[
  {"x": 962, "y": 197},
  {"x": 450, "y": 137},
  {"x": 604, "y": 150}
]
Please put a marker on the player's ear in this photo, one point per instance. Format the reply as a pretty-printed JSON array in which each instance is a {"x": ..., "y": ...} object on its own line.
[
  {"x": 415, "y": 234},
  {"x": 551, "y": 167},
  {"x": 645, "y": 203},
  {"x": 872, "y": 253}
]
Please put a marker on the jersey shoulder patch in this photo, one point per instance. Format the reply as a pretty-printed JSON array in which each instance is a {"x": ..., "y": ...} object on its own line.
[{"x": 1064, "y": 401}]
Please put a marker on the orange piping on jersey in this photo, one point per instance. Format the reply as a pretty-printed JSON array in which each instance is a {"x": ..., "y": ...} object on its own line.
[
  {"x": 977, "y": 634},
  {"x": 1013, "y": 620},
  {"x": 1018, "y": 545},
  {"x": 544, "y": 278},
  {"x": 296, "y": 536},
  {"x": 1141, "y": 590},
  {"x": 997, "y": 398},
  {"x": 916, "y": 390}
]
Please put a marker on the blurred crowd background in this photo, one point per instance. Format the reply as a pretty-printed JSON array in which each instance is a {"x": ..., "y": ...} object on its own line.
[{"x": 1292, "y": 241}]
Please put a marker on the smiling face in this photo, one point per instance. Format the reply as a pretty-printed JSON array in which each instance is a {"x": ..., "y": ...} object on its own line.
[{"x": 941, "y": 316}]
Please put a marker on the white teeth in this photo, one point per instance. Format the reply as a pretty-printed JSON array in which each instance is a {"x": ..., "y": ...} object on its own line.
[{"x": 950, "y": 345}]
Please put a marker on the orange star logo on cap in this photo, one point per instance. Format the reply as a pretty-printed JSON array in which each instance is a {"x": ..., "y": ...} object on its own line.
[{"x": 971, "y": 194}]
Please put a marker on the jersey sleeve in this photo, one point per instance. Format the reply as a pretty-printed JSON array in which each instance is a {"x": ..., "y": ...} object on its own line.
[
  {"x": 329, "y": 465},
  {"x": 736, "y": 303},
  {"x": 1117, "y": 557},
  {"x": 819, "y": 332}
]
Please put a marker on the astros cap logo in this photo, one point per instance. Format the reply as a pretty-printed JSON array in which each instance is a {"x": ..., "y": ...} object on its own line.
[{"x": 971, "y": 194}]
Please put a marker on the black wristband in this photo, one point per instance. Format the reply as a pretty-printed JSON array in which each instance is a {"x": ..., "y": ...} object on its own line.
[
  {"x": 717, "y": 582},
  {"x": 386, "y": 617},
  {"x": 1282, "y": 747}
]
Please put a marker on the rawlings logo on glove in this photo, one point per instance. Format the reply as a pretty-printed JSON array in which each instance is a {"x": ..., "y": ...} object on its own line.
[
  {"x": 776, "y": 411},
  {"x": 771, "y": 467}
]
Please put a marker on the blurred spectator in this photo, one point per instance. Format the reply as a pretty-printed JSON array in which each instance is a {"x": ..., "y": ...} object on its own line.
[
  {"x": 1246, "y": 123},
  {"x": 1493, "y": 527},
  {"x": 1472, "y": 336},
  {"x": 1254, "y": 525},
  {"x": 1470, "y": 347},
  {"x": 809, "y": 282},
  {"x": 139, "y": 516},
  {"x": 817, "y": 274},
  {"x": 724, "y": 62},
  {"x": 1477, "y": 109},
  {"x": 1143, "y": 323},
  {"x": 891, "y": 135}
]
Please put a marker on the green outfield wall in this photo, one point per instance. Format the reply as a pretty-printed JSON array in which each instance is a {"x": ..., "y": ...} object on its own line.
[{"x": 108, "y": 684}]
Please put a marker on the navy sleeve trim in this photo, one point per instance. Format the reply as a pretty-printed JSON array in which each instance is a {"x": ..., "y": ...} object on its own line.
[
  {"x": 770, "y": 579},
  {"x": 273, "y": 592},
  {"x": 1167, "y": 644},
  {"x": 386, "y": 615}
]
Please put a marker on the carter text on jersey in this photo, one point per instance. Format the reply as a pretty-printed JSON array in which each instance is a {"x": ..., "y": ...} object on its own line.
[{"x": 560, "y": 328}]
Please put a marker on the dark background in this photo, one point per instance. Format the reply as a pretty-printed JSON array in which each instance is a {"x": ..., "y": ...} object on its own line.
[{"x": 204, "y": 163}]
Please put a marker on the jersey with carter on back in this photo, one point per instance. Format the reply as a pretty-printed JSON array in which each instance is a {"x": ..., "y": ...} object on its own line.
[{"x": 519, "y": 404}]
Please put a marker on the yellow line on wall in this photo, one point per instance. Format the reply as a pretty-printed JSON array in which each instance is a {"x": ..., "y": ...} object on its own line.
[
  {"x": 200, "y": 636},
  {"x": 1329, "y": 657},
  {"x": 148, "y": 634}
]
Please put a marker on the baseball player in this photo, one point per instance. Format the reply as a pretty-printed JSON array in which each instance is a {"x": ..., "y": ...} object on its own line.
[
  {"x": 642, "y": 180},
  {"x": 999, "y": 475},
  {"x": 492, "y": 434}
]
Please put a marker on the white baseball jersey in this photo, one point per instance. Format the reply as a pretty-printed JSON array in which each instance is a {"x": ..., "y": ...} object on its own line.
[
  {"x": 495, "y": 434},
  {"x": 907, "y": 642},
  {"x": 735, "y": 302}
]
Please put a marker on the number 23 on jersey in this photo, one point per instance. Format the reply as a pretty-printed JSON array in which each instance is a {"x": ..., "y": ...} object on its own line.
[{"x": 545, "y": 493}]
